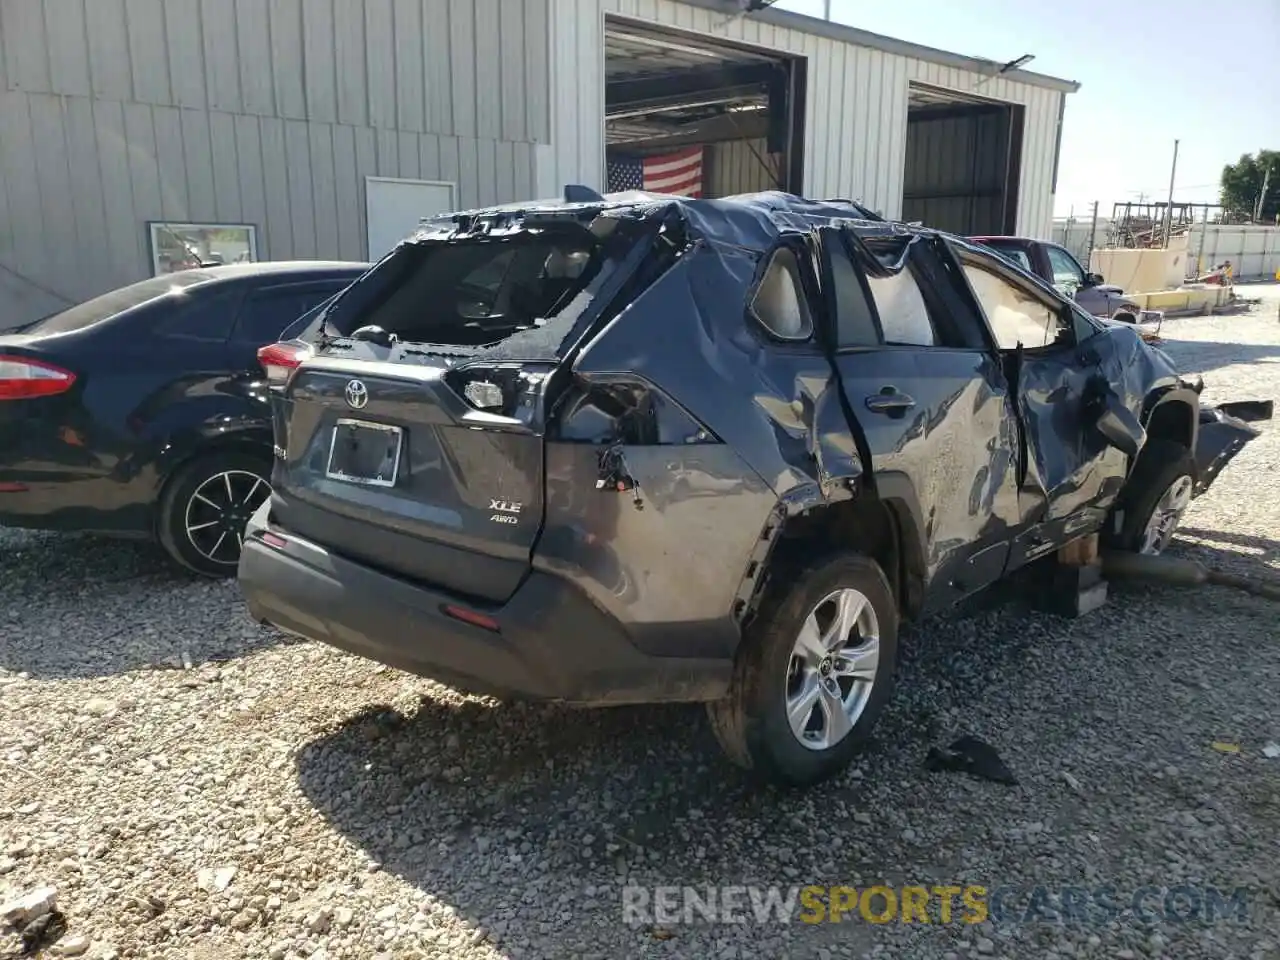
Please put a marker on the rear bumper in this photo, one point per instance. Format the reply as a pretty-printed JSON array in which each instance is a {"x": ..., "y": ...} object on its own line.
[{"x": 551, "y": 642}]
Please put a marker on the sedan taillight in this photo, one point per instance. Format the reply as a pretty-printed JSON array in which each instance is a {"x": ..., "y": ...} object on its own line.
[
  {"x": 279, "y": 360},
  {"x": 24, "y": 379}
]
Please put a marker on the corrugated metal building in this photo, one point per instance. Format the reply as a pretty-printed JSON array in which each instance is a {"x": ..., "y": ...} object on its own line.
[{"x": 323, "y": 128}]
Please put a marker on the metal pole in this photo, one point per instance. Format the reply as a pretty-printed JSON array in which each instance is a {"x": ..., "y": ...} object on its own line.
[
  {"x": 826, "y": 10},
  {"x": 1168, "y": 211},
  {"x": 1093, "y": 226},
  {"x": 1204, "y": 232}
]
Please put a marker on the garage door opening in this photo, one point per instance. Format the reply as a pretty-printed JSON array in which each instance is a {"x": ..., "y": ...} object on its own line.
[
  {"x": 691, "y": 116},
  {"x": 963, "y": 162}
]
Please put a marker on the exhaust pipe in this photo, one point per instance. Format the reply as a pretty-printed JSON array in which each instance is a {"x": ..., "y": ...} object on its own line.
[{"x": 1144, "y": 568}]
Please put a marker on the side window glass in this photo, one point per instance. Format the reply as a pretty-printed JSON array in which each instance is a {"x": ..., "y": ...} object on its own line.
[
  {"x": 1067, "y": 275},
  {"x": 904, "y": 317},
  {"x": 1017, "y": 256},
  {"x": 268, "y": 312},
  {"x": 855, "y": 324},
  {"x": 1015, "y": 317},
  {"x": 199, "y": 316},
  {"x": 779, "y": 302}
]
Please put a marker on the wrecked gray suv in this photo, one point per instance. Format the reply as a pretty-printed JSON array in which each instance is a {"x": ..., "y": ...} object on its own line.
[{"x": 646, "y": 448}]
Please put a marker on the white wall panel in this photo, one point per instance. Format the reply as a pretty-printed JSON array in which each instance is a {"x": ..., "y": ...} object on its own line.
[
  {"x": 856, "y": 107},
  {"x": 270, "y": 112}
]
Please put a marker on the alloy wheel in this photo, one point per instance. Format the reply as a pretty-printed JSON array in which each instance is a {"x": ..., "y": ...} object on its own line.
[
  {"x": 832, "y": 669},
  {"x": 218, "y": 511},
  {"x": 1166, "y": 515}
]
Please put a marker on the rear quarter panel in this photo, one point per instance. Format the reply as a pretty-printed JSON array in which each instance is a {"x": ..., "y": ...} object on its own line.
[{"x": 669, "y": 568}]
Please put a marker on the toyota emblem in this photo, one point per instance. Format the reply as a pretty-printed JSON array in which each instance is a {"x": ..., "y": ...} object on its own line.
[{"x": 357, "y": 394}]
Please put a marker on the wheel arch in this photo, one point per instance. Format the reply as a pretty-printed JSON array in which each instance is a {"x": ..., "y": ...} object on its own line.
[
  {"x": 1174, "y": 415},
  {"x": 884, "y": 529},
  {"x": 181, "y": 453}
]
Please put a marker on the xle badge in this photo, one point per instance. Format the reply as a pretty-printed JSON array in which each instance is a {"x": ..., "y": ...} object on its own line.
[{"x": 507, "y": 511}]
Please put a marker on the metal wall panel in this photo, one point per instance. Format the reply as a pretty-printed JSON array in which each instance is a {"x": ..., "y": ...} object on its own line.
[
  {"x": 101, "y": 169},
  {"x": 221, "y": 58},
  {"x": 270, "y": 112},
  {"x": 454, "y": 67},
  {"x": 575, "y": 153},
  {"x": 954, "y": 163},
  {"x": 735, "y": 167},
  {"x": 253, "y": 42},
  {"x": 856, "y": 107},
  {"x": 108, "y": 35}
]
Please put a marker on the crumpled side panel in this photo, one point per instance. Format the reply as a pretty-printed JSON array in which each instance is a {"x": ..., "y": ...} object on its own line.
[
  {"x": 1070, "y": 464},
  {"x": 779, "y": 408}
]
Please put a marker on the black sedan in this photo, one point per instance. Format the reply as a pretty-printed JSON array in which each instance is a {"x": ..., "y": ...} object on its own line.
[{"x": 144, "y": 412}]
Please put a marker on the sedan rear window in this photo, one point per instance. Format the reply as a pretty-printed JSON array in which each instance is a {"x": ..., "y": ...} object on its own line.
[
  {"x": 1012, "y": 253},
  {"x": 117, "y": 301}
]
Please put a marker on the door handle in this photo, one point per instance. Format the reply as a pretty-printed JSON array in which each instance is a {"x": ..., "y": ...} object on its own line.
[{"x": 889, "y": 400}]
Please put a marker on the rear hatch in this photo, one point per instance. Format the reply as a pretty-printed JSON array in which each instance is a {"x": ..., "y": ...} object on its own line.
[{"x": 412, "y": 440}]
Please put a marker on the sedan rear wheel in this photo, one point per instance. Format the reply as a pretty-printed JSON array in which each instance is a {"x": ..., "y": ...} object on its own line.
[
  {"x": 218, "y": 511},
  {"x": 206, "y": 506}
]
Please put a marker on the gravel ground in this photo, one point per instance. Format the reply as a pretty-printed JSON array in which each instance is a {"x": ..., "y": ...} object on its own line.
[{"x": 278, "y": 799}]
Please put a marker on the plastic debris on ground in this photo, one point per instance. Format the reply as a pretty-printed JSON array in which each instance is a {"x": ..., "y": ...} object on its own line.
[{"x": 970, "y": 755}]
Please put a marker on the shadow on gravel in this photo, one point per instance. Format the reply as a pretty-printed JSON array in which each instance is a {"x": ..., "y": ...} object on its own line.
[
  {"x": 528, "y": 820},
  {"x": 1236, "y": 553},
  {"x": 1201, "y": 356},
  {"x": 474, "y": 803},
  {"x": 74, "y": 606}
]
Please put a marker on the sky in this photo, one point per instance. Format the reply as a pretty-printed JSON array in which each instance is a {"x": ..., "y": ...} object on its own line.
[{"x": 1150, "y": 72}]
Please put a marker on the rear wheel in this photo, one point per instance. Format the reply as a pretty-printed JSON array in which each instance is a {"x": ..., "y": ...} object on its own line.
[
  {"x": 1156, "y": 497},
  {"x": 205, "y": 507},
  {"x": 813, "y": 673}
]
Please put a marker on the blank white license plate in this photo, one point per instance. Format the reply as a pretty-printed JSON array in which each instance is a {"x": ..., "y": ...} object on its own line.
[{"x": 364, "y": 452}]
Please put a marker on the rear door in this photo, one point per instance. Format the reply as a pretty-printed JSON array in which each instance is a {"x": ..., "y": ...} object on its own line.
[{"x": 931, "y": 401}]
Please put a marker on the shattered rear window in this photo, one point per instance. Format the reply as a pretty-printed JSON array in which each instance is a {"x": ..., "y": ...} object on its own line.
[{"x": 468, "y": 293}]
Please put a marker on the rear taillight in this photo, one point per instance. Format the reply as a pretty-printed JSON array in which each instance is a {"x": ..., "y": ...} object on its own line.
[
  {"x": 24, "y": 379},
  {"x": 279, "y": 360}
]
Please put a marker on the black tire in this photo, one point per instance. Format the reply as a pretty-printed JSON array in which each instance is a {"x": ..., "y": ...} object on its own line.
[
  {"x": 751, "y": 723},
  {"x": 1161, "y": 465},
  {"x": 212, "y": 550}
]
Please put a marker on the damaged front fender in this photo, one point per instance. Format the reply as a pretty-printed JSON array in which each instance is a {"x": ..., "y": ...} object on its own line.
[{"x": 1220, "y": 437}]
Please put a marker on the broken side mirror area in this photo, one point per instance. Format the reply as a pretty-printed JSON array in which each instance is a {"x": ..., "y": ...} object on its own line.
[{"x": 1117, "y": 424}]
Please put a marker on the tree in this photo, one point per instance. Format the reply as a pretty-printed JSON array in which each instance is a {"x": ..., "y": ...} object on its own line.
[{"x": 1242, "y": 185}]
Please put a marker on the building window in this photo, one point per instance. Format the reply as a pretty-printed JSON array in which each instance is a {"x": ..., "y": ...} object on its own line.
[{"x": 184, "y": 246}]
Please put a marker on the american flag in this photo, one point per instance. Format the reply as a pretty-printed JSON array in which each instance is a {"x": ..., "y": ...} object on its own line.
[{"x": 679, "y": 173}]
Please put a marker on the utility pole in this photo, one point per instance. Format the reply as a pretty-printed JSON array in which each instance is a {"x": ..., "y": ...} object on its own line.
[
  {"x": 1204, "y": 232},
  {"x": 1262, "y": 195},
  {"x": 1168, "y": 211},
  {"x": 1093, "y": 227}
]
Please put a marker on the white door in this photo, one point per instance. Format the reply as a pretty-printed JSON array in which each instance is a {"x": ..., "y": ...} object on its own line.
[{"x": 394, "y": 207}]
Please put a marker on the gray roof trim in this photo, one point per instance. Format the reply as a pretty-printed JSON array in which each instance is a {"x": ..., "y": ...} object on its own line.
[{"x": 865, "y": 38}]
